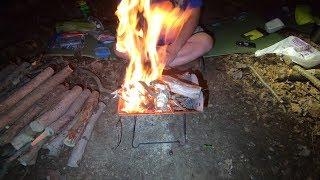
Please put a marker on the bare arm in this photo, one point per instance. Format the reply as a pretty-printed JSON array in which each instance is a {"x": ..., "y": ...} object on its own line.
[{"x": 187, "y": 30}]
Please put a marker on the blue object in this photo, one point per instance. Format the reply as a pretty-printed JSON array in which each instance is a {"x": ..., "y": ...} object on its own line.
[
  {"x": 185, "y": 4},
  {"x": 101, "y": 51}
]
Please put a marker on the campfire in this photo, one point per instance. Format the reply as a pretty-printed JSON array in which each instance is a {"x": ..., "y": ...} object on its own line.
[{"x": 145, "y": 90}]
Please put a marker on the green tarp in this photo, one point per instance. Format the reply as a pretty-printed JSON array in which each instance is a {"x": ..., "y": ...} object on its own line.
[{"x": 228, "y": 32}]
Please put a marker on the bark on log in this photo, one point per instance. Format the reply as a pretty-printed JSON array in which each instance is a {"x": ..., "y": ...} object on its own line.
[
  {"x": 182, "y": 88},
  {"x": 78, "y": 150},
  {"x": 56, "y": 142},
  {"x": 35, "y": 95},
  {"x": 309, "y": 76},
  {"x": 24, "y": 137},
  {"x": 45, "y": 103},
  {"x": 26, "y": 89},
  {"x": 56, "y": 126},
  {"x": 82, "y": 119},
  {"x": 49, "y": 117},
  {"x": 16, "y": 73}
]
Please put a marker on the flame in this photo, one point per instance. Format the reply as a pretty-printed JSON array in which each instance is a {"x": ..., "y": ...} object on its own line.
[{"x": 140, "y": 26}]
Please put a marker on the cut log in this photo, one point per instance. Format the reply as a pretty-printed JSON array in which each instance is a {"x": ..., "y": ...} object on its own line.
[
  {"x": 49, "y": 117},
  {"x": 45, "y": 103},
  {"x": 308, "y": 75},
  {"x": 24, "y": 137},
  {"x": 82, "y": 119},
  {"x": 14, "y": 75},
  {"x": 56, "y": 142},
  {"x": 26, "y": 89},
  {"x": 35, "y": 95},
  {"x": 78, "y": 150},
  {"x": 182, "y": 88},
  {"x": 56, "y": 126}
]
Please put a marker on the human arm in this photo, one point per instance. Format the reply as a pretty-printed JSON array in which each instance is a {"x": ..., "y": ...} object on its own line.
[{"x": 186, "y": 32}]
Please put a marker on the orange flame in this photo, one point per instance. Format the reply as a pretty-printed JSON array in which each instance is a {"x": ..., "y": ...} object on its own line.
[{"x": 140, "y": 26}]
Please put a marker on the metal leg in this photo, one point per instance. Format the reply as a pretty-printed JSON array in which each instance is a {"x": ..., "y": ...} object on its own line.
[
  {"x": 160, "y": 142},
  {"x": 202, "y": 65}
]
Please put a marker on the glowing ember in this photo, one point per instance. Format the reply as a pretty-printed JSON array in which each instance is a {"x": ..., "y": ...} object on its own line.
[{"x": 140, "y": 26}]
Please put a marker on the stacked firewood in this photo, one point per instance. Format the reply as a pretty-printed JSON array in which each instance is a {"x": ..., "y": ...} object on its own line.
[{"x": 45, "y": 113}]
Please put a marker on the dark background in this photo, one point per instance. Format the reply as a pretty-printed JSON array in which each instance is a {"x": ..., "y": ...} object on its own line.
[{"x": 34, "y": 19}]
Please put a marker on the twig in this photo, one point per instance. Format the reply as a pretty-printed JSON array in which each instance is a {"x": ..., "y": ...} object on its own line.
[
  {"x": 308, "y": 75},
  {"x": 97, "y": 79},
  {"x": 265, "y": 84}
]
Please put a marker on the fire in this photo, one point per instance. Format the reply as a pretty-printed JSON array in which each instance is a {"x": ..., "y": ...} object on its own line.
[{"x": 140, "y": 26}]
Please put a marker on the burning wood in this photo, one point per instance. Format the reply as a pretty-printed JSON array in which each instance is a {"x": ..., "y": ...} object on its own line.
[
  {"x": 169, "y": 95},
  {"x": 145, "y": 89}
]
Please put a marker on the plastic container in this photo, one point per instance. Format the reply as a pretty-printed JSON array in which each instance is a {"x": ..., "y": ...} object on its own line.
[{"x": 274, "y": 25}]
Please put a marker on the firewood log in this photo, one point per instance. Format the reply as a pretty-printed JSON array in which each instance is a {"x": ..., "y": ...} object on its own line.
[
  {"x": 56, "y": 142},
  {"x": 56, "y": 126},
  {"x": 45, "y": 119},
  {"x": 176, "y": 86},
  {"x": 35, "y": 95},
  {"x": 26, "y": 89},
  {"x": 78, "y": 150},
  {"x": 45, "y": 103},
  {"x": 82, "y": 120},
  {"x": 49, "y": 117}
]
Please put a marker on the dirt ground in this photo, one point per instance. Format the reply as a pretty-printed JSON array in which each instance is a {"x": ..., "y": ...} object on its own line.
[{"x": 243, "y": 133}]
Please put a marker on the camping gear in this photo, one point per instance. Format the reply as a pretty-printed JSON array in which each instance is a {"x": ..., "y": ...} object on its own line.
[
  {"x": 303, "y": 15},
  {"x": 315, "y": 34},
  {"x": 246, "y": 44},
  {"x": 75, "y": 26},
  {"x": 274, "y": 25},
  {"x": 68, "y": 40},
  {"x": 227, "y": 32},
  {"x": 254, "y": 34},
  {"x": 299, "y": 51},
  {"x": 84, "y": 8}
]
